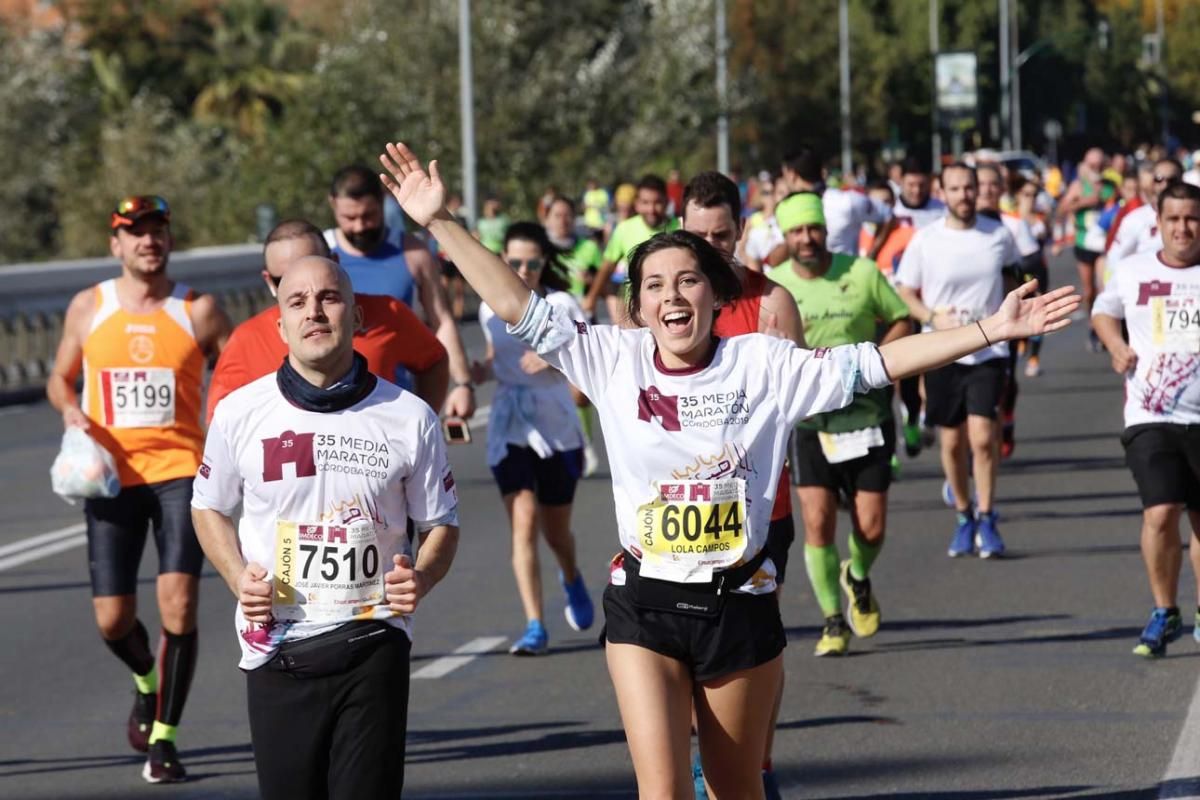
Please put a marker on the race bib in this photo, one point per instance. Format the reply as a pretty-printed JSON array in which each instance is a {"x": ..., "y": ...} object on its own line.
[
  {"x": 1175, "y": 324},
  {"x": 693, "y": 528},
  {"x": 326, "y": 573},
  {"x": 138, "y": 398},
  {"x": 840, "y": 447}
]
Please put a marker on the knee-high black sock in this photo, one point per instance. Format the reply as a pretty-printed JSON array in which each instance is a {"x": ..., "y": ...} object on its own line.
[
  {"x": 910, "y": 396},
  {"x": 133, "y": 649},
  {"x": 175, "y": 675}
]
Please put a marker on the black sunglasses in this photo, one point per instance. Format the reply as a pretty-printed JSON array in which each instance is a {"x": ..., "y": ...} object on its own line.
[{"x": 532, "y": 264}]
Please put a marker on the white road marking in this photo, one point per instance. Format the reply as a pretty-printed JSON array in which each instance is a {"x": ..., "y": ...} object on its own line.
[
  {"x": 1182, "y": 778},
  {"x": 15, "y": 409},
  {"x": 42, "y": 552},
  {"x": 41, "y": 538},
  {"x": 441, "y": 667},
  {"x": 480, "y": 420}
]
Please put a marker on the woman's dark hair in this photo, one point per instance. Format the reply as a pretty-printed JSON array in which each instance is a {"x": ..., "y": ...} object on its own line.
[
  {"x": 554, "y": 273},
  {"x": 715, "y": 266}
]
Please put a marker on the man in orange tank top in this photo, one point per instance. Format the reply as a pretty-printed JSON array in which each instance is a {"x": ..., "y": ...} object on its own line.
[
  {"x": 141, "y": 341},
  {"x": 712, "y": 209}
]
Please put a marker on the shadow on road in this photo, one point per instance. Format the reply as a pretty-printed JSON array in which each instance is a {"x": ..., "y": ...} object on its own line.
[
  {"x": 941, "y": 624},
  {"x": 198, "y": 760},
  {"x": 436, "y": 746}
]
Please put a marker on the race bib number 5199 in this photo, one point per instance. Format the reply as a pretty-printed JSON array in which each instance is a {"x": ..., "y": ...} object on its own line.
[{"x": 693, "y": 528}]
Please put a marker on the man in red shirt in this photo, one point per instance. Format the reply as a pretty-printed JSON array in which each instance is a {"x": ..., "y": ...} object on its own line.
[{"x": 391, "y": 336}]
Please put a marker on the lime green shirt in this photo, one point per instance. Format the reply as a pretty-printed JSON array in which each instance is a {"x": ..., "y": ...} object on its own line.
[
  {"x": 581, "y": 259},
  {"x": 595, "y": 207},
  {"x": 629, "y": 234},
  {"x": 845, "y": 306},
  {"x": 491, "y": 232}
]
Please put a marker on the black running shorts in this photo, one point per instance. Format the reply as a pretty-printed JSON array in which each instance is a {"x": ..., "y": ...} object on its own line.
[
  {"x": 748, "y": 632},
  {"x": 1165, "y": 462},
  {"x": 552, "y": 479},
  {"x": 956, "y": 390},
  {"x": 1086, "y": 256},
  {"x": 116, "y": 534},
  {"x": 870, "y": 473}
]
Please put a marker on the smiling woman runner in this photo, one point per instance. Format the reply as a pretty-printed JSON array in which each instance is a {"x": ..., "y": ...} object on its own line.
[{"x": 698, "y": 431}]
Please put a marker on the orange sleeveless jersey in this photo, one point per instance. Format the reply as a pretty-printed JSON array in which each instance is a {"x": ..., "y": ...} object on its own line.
[{"x": 142, "y": 376}]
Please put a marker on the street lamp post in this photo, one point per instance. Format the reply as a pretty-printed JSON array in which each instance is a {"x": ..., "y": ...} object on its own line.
[
  {"x": 722, "y": 93},
  {"x": 844, "y": 62},
  {"x": 466, "y": 97}
]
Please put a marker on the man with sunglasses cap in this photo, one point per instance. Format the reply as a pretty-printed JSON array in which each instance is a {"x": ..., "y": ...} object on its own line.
[
  {"x": 1139, "y": 232},
  {"x": 390, "y": 337},
  {"x": 141, "y": 341}
]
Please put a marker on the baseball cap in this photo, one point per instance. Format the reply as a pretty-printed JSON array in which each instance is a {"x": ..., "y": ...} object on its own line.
[{"x": 131, "y": 209}]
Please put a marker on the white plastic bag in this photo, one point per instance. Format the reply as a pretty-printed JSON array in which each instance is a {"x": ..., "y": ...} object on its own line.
[{"x": 83, "y": 469}]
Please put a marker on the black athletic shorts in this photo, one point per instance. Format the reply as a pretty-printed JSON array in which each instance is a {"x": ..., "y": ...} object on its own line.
[
  {"x": 552, "y": 479},
  {"x": 1165, "y": 462},
  {"x": 780, "y": 535},
  {"x": 116, "y": 534},
  {"x": 1086, "y": 256},
  {"x": 748, "y": 632},
  {"x": 334, "y": 736},
  {"x": 956, "y": 390},
  {"x": 870, "y": 473}
]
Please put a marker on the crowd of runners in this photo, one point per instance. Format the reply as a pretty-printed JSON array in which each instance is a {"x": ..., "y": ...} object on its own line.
[{"x": 739, "y": 351}]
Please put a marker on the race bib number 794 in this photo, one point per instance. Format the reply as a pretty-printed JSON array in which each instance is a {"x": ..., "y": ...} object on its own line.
[
  {"x": 1175, "y": 323},
  {"x": 693, "y": 528}
]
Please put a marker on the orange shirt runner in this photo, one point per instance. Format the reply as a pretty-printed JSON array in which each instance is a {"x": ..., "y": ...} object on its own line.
[
  {"x": 142, "y": 376},
  {"x": 391, "y": 336}
]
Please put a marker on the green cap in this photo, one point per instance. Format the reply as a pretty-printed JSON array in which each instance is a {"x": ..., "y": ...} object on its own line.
[{"x": 799, "y": 209}]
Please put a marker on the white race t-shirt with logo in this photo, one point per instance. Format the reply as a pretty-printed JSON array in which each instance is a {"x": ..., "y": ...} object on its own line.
[
  {"x": 326, "y": 498},
  {"x": 1161, "y": 307},
  {"x": 537, "y": 410},
  {"x": 931, "y": 212},
  {"x": 845, "y": 214},
  {"x": 1138, "y": 234},
  {"x": 696, "y": 454},
  {"x": 961, "y": 271}
]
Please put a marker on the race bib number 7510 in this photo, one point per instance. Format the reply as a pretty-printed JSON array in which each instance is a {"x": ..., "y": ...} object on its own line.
[
  {"x": 326, "y": 572},
  {"x": 693, "y": 528}
]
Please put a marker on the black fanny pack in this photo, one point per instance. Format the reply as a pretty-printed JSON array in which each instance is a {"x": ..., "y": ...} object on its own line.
[
  {"x": 694, "y": 599},
  {"x": 334, "y": 652}
]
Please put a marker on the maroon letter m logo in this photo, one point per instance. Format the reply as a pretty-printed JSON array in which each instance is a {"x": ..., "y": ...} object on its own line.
[
  {"x": 288, "y": 448},
  {"x": 653, "y": 403}
]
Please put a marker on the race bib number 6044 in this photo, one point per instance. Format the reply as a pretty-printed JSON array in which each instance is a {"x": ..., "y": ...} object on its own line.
[
  {"x": 693, "y": 528},
  {"x": 326, "y": 572}
]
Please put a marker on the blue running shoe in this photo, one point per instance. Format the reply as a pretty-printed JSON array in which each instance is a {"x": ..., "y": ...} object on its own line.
[
  {"x": 534, "y": 642},
  {"x": 579, "y": 609},
  {"x": 1196, "y": 627},
  {"x": 947, "y": 494},
  {"x": 771, "y": 785},
  {"x": 698, "y": 786},
  {"x": 963, "y": 543},
  {"x": 1162, "y": 628},
  {"x": 987, "y": 538}
]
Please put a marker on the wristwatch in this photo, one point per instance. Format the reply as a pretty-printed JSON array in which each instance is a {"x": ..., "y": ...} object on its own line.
[{"x": 460, "y": 384}]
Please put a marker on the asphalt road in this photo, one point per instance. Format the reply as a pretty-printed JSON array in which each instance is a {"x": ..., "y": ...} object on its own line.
[{"x": 1001, "y": 679}]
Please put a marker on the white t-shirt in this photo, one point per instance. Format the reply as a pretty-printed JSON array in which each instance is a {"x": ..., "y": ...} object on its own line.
[
  {"x": 535, "y": 411},
  {"x": 931, "y": 212},
  {"x": 1161, "y": 307},
  {"x": 377, "y": 463},
  {"x": 961, "y": 271},
  {"x": 845, "y": 214},
  {"x": 1027, "y": 243},
  {"x": 1137, "y": 234},
  {"x": 727, "y": 420},
  {"x": 763, "y": 239}
]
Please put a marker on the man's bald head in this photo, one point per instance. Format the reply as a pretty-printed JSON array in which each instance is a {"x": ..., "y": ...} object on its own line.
[
  {"x": 288, "y": 241},
  {"x": 318, "y": 317},
  {"x": 309, "y": 272}
]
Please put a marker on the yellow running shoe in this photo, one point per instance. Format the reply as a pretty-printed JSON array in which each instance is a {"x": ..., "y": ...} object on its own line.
[
  {"x": 864, "y": 609},
  {"x": 835, "y": 638}
]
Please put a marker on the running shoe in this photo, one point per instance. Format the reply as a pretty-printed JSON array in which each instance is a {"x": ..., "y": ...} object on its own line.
[
  {"x": 141, "y": 720},
  {"x": 864, "y": 608},
  {"x": 1196, "y": 626},
  {"x": 534, "y": 642},
  {"x": 895, "y": 467},
  {"x": 591, "y": 461},
  {"x": 1033, "y": 367},
  {"x": 987, "y": 538},
  {"x": 698, "y": 787},
  {"x": 1008, "y": 436},
  {"x": 912, "y": 440},
  {"x": 1165, "y": 626},
  {"x": 948, "y": 495},
  {"x": 579, "y": 611},
  {"x": 963, "y": 543},
  {"x": 771, "y": 785},
  {"x": 835, "y": 638},
  {"x": 162, "y": 764}
]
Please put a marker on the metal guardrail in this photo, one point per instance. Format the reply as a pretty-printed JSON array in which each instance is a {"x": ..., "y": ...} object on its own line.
[{"x": 34, "y": 298}]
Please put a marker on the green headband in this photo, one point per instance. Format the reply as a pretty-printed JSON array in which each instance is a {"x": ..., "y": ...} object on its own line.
[{"x": 799, "y": 209}]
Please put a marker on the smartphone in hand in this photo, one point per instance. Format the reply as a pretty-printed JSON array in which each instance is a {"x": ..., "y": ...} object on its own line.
[{"x": 456, "y": 430}]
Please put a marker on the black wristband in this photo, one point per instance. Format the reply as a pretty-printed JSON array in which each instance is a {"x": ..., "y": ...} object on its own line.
[{"x": 981, "y": 330}]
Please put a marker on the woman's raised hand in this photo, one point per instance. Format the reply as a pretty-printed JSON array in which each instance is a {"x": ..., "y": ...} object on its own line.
[
  {"x": 1022, "y": 316},
  {"x": 421, "y": 194}
]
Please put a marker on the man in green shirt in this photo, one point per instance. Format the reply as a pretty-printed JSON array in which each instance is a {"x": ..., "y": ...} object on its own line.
[
  {"x": 491, "y": 225},
  {"x": 650, "y": 204},
  {"x": 580, "y": 254},
  {"x": 842, "y": 299}
]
